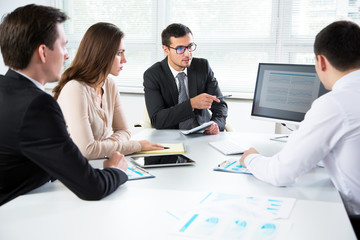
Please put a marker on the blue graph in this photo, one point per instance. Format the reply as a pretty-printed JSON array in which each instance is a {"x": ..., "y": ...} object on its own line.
[{"x": 268, "y": 229}]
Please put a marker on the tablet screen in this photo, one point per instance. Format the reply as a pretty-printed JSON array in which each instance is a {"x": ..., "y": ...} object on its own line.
[{"x": 162, "y": 161}]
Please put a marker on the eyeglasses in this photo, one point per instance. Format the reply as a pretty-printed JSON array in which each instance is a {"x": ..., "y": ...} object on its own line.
[{"x": 180, "y": 50}]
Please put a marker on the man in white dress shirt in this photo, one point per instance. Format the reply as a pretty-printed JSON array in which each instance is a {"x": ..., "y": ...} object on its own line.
[{"x": 330, "y": 131}]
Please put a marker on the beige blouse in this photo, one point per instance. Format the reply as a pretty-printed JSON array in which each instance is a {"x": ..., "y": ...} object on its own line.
[{"x": 97, "y": 131}]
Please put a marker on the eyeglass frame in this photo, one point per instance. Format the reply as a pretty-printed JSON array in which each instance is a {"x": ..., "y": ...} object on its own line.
[{"x": 187, "y": 47}]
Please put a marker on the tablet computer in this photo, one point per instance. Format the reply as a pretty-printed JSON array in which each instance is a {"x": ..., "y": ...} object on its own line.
[
  {"x": 162, "y": 161},
  {"x": 198, "y": 129}
]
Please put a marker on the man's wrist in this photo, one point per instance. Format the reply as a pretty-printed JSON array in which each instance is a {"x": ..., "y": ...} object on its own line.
[{"x": 191, "y": 104}]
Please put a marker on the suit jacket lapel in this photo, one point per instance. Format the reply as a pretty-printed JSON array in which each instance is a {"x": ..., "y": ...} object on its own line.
[
  {"x": 169, "y": 77},
  {"x": 191, "y": 74}
]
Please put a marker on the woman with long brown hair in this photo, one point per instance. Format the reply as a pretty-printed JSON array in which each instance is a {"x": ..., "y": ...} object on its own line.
[{"x": 90, "y": 100}]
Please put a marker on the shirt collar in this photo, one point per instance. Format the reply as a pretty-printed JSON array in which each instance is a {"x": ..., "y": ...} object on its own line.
[
  {"x": 174, "y": 72},
  {"x": 37, "y": 84},
  {"x": 347, "y": 79}
]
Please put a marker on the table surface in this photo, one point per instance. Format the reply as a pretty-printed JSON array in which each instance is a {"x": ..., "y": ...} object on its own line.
[{"x": 138, "y": 209}]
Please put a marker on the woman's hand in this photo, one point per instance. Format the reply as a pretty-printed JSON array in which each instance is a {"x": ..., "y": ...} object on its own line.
[{"x": 146, "y": 146}]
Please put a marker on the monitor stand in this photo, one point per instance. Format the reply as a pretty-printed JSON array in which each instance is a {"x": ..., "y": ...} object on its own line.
[{"x": 284, "y": 137}]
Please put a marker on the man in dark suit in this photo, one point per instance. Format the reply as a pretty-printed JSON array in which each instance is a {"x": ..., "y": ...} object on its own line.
[
  {"x": 34, "y": 144},
  {"x": 181, "y": 89}
]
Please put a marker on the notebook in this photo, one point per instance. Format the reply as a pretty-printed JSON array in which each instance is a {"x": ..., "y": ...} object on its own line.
[{"x": 172, "y": 148}]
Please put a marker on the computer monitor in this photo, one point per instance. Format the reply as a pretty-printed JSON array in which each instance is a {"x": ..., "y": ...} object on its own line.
[{"x": 285, "y": 92}]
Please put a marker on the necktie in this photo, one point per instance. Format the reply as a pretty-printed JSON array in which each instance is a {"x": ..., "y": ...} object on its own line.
[
  {"x": 182, "y": 89},
  {"x": 183, "y": 96}
]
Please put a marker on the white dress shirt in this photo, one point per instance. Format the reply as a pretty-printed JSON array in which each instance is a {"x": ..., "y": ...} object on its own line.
[
  {"x": 175, "y": 73},
  {"x": 37, "y": 84},
  {"x": 330, "y": 132}
]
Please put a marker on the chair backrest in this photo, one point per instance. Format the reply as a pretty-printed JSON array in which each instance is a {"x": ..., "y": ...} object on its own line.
[
  {"x": 228, "y": 127},
  {"x": 145, "y": 123},
  {"x": 146, "y": 119}
]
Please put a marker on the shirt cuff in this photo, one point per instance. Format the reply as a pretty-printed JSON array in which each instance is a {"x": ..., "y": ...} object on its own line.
[{"x": 250, "y": 158}]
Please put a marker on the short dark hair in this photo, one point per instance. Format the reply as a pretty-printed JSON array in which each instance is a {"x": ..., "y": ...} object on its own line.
[
  {"x": 339, "y": 42},
  {"x": 25, "y": 29},
  {"x": 174, "y": 30}
]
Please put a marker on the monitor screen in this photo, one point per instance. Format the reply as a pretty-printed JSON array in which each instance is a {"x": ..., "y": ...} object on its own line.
[{"x": 285, "y": 92}]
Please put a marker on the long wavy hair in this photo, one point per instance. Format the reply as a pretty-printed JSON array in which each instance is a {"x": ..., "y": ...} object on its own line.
[{"x": 94, "y": 58}]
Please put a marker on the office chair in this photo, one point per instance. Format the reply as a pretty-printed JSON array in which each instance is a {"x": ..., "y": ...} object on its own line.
[{"x": 146, "y": 123}]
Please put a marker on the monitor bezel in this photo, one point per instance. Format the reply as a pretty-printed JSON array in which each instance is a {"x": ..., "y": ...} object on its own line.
[{"x": 295, "y": 117}]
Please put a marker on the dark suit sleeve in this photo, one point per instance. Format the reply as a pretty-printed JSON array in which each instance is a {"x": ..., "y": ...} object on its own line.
[
  {"x": 44, "y": 140},
  {"x": 163, "y": 112},
  {"x": 218, "y": 110}
]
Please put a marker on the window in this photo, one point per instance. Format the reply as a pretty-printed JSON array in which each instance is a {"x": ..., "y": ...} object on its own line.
[{"x": 233, "y": 35}]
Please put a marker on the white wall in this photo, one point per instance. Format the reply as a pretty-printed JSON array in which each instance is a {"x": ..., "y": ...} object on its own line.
[{"x": 239, "y": 109}]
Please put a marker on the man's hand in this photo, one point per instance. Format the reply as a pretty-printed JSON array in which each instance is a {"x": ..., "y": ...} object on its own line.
[
  {"x": 116, "y": 160},
  {"x": 203, "y": 101},
  {"x": 212, "y": 129},
  {"x": 146, "y": 146},
  {"x": 245, "y": 154}
]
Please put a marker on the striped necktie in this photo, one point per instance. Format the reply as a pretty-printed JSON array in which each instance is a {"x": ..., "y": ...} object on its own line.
[
  {"x": 183, "y": 96},
  {"x": 182, "y": 89}
]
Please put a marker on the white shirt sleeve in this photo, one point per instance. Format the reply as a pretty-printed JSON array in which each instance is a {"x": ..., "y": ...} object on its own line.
[{"x": 317, "y": 135}]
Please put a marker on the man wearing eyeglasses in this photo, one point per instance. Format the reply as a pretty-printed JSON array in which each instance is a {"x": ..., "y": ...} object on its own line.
[{"x": 181, "y": 89}]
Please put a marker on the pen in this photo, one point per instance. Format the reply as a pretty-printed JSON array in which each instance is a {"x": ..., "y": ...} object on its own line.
[
  {"x": 223, "y": 163},
  {"x": 141, "y": 169},
  {"x": 281, "y": 137},
  {"x": 224, "y": 96},
  {"x": 166, "y": 147}
]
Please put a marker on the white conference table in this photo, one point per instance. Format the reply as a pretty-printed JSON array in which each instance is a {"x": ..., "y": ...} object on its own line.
[{"x": 139, "y": 208}]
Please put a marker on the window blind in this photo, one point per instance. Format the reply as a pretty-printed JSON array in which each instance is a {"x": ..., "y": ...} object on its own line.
[{"x": 233, "y": 35}]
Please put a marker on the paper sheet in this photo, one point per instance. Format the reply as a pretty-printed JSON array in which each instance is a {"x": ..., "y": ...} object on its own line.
[
  {"x": 135, "y": 172},
  {"x": 231, "y": 216},
  {"x": 232, "y": 165}
]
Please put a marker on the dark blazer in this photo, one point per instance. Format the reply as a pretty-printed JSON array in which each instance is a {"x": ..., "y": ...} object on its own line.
[
  {"x": 35, "y": 146},
  {"x": 161, "y": 95}
]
